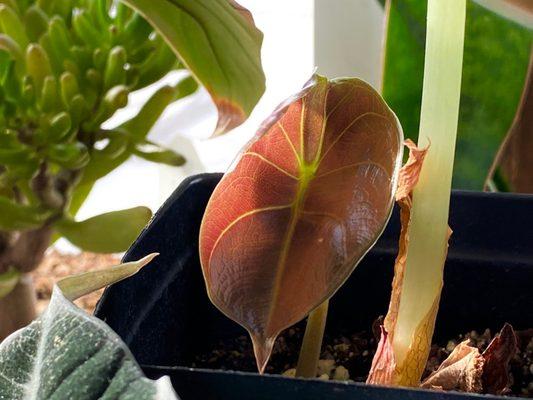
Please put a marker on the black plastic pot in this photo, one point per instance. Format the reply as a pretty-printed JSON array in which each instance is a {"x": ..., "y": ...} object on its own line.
[{"x": 164, "y": 316}]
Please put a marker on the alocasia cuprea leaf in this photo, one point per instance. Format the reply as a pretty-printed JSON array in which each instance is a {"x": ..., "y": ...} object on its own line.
[{"x": 306, "y": 200}]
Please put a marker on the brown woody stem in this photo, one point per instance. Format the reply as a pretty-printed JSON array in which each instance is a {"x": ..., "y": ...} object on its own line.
[
  {"x": 312, "y": 343},
  {"x": 23, "y": 251},
  {"x": 17, "y": 309}
]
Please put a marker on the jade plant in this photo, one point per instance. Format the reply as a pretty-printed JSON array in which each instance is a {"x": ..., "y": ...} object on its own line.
[
  {"x": 65, "y": 68},
  {"x": 306, "y": 200}
]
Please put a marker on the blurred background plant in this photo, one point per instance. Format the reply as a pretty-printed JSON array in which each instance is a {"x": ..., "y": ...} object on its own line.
[
  {"x": 65, "y": 68},
  {"x": 497, "y": 51}
]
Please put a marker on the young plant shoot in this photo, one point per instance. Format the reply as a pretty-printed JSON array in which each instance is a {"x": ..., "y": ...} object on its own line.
[
  {"x": 305, "y": 201},
  {"x": 403, "y": 352}
]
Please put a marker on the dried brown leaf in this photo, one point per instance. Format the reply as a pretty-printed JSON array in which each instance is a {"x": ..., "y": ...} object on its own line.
[
  {"x": 462, "y": 370},
  {"x": 410, "y": 172},
  {"x": 383, "y": 364},
  {"x": 497, "y": 357},
  {"x": 397, "y": 374}
]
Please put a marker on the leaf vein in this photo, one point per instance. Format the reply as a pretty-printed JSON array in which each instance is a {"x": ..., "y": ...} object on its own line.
[
  {"x": 353, "y": 166},
  {"x": 246, "y": 214},
  {"x": 348, "y": 127},
  {"x": 269, "y": 162},
  {"x": 290, "y": 142}
]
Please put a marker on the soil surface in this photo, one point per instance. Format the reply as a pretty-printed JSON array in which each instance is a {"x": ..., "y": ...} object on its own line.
[
  {"x": 345, "y": 356},
  {"x": 57, "y": 265},
  {"x": 348, "y": 356}
]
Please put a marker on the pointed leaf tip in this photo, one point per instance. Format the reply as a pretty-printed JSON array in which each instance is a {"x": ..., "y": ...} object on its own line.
[
  {"x": 76, "y": 286},
  {"x": 262, "y": 351}
]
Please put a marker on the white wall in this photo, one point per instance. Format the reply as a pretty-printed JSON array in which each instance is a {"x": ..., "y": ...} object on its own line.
[{"x": 348, "y": 38}]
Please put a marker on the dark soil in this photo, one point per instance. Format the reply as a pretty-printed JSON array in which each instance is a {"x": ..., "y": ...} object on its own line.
[
  {"x": 352, "y": 352},
  {"x": 348, "y": 356}
]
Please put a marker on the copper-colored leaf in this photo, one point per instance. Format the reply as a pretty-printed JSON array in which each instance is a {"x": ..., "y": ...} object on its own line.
[
  {"x": 462, "y": 370},
  {"x": 497, "y": 357},
  {"x": 306, "y": 200}
]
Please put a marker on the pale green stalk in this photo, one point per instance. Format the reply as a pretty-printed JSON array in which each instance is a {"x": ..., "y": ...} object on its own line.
[
  {"x": 312, "y": 342},
  {"x": 428, "y": 230}
]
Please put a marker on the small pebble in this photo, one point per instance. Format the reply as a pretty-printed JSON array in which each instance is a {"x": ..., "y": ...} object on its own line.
[
  {"x": 450, "y": 346},
  {"x": 324, "y": 377},
  {"x": 325, "y": 367},
  {"x": 290, "y": 372},
  {"x": 342, "y": 347},
  {"x": 341, "y": 374}
]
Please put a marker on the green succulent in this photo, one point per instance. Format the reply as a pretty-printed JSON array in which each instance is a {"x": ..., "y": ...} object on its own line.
[{"x": 65, "y": 68}]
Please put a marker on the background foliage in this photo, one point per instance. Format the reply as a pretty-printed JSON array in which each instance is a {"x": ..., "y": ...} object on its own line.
[{"x": 494, "y": 69}]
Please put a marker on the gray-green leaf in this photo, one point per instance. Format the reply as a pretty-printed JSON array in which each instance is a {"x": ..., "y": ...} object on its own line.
[{"x": 68, "y": 354}]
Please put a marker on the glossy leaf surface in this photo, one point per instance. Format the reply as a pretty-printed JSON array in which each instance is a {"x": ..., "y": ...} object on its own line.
[{"x": 305, "y": 201}]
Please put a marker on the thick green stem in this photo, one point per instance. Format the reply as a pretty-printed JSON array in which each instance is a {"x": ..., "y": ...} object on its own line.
[
  {"x": 312, "y": 343},
  {"x": 428, "y": 231}
]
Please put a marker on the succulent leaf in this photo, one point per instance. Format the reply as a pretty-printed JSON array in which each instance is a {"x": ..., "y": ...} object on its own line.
[{"x": 111, "y": 232}]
